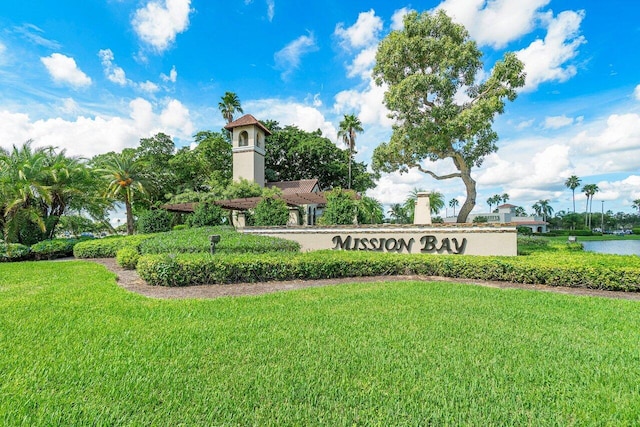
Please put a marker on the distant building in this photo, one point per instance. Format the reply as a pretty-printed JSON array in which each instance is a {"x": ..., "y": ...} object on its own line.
[{"x": 506, "y": 214}]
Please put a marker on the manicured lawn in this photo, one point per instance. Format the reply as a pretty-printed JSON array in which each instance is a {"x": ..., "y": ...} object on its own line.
[{"x": 78, "y": 350}]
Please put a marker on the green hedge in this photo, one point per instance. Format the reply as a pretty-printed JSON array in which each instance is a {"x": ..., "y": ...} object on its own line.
[
  {"x": 10, "y": 252},
  {"x": 55, "y": 248},
  {"x": 194, "y": 240},
  {"x": 198, "y": 269},
  {"x": 107, "y": 247}
]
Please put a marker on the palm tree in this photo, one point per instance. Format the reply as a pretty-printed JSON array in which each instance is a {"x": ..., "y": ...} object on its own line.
[
  {"x": 349, "y": 126},
  {"x": 495, "y": 200},
  {"x": 589, "y": 190},
  {"x": 23, "y": 191},
  {"x": 124, "y": 176},
  {"x": 636, "y": 205},
  {"x": 370, "y": 211},
  {"x": 453, "y": 203},
  {"x": 504, "y": 198},
  {"x": 229, "y": 105},
  {"x": 572, "y": 183},
  {"x": 398, "y": 214}
]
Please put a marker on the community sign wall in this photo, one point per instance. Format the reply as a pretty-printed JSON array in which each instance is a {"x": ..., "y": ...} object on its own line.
[{"x": 464, "y": 239}]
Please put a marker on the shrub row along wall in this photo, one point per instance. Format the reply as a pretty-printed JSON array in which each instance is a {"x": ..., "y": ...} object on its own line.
[{"x": 198, "y": 269}]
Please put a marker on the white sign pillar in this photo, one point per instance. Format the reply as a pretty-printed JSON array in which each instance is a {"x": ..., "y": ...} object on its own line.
[{"x": 422, "y": 212}]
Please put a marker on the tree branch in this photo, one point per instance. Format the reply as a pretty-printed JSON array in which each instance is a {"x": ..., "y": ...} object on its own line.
[{"x": 438, "y": 177}]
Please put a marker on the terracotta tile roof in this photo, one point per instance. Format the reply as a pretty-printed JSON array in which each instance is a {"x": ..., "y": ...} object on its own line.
[
  {"x": 247, "y": 120},
  {"x": 293, "y": 187},
  {"x": 507, "y": 205}
]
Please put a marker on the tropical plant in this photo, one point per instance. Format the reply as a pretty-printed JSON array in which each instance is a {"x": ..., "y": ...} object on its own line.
[
  {"x": 370, "y": 211},
  {"x": 636, "y": 205},
  {"x": 125, "y": 180},
  {"x": 341, "y": 208},
  {"x": 349, "y": 126},
  {"x": 453, "y": 203},
  {"x": 398, "y": 214},
  {"x": 543, "y": 208},
  {"x": 271, "y": 210},
  {"x": 425, "y": 67},
  {"x": 229, "y": 105},
  {"x": 572, "y": 183},
  {"x": 589, "y": 190}
]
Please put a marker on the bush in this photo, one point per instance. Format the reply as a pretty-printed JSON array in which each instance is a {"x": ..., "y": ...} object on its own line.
[
  {"x": 635, "y": 230},
  {"x": 341, "y": 208},
  {"x": 127, "y": 257},
  {"x": 271, "y": 211},
  {"x": 197, "y": 269},
  {"x": 55, "y": 248},
  {"x": 179, "y": 227},
  {"x": 195, "y": 240},
  {"x": 155, "y": 221},
  {"x": 206, "y": 214},
  {"x": 10, "y": 252},
  {"x": 525, "y": 231},
  {"x": 107, "y": 247}
]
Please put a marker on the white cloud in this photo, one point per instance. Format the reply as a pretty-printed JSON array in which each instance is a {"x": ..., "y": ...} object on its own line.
[
  {"x": 557, "y": 122},
  {"x": 64, "y": 69},
  {"x": 288, "y": 58},
  {"x": 621, "y": 133},
  {"x": 158, "y": 23},
  {"x": 367, "y": 104},
  {"x": 271, "y": 9},
  {"x": 547, "y": 60},
  {"x": 292, "y": 113},
  {"x": 172, "y": 77},
  {"x": 636, "y": 92},
  {"x": 363, "y": 33},
  {"x": 34, "y": 34},
  {"x": 88, "y": 136},
  {"x": 363, "y": 63},
  {"x": 114, "y": 73},
  {"x": 148, "y": 87},
  {"x": 495, "y": 22},
  {"x": 397, "y": 20},
  {"x": 69, "y": 106}
]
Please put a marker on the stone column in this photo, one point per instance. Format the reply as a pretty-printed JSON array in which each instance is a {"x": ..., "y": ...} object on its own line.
[{"x": 422, "y": 213}]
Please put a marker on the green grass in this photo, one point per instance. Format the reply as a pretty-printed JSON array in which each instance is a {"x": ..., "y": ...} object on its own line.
[{"x": 78, "y": 350}]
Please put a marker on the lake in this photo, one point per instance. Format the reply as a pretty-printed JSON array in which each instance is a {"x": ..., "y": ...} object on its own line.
[{"x": 619, "y": 247}]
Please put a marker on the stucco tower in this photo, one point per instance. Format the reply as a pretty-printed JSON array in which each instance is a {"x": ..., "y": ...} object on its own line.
[{"x": 248, "y": 139}]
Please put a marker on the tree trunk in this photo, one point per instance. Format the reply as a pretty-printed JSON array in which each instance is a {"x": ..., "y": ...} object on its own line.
[
  {"x": 470, "y": 201},
  {"x": 127, "y": 205}
]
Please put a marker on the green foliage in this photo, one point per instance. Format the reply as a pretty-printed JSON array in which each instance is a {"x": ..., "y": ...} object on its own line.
[
  {"x": 108, "y": 247},
  {"x": 206, "y": 214},
  {"x": 154, "y": 221},
  {"x": 555, "y": 268},
  {"x": 635, "y": 230},
  {"x": 271, "y": 211},
  {"x": 293, "y": 154},
  {"x": 127, "y": 257},
  {"x": 54, "y": 248},
  {"x": 523, "y": 230},
  {"x": 180, "y": 227},
  {"x": 341, "y": 208},
  {"x": 480, "y": 220},
  {"x": 196, "y": 240},
  {"x": 10, "y": 252}
]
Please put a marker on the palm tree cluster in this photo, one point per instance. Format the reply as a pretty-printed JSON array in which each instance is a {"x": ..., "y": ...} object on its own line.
[
  {"x": 589, "y": 190},
  {"x": 38, "y": 186},
  {"x": 496, "y": 199},
  {"x": 543, "y": 208}
]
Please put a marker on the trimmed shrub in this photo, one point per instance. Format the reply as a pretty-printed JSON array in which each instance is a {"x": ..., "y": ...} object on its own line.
[
  {"x": 155, "y": 221},
  {"x": 584, "y": 271},
  {"x": 127, "y": 257},
  {"x": 194, "y": 240},
  {"x": 525, "y": 231},
  {"x": 635, "y": 230},
  {"x": 107, "y": 247},
  {"x": 341, "y": 208},
  {"x": 10, "y": 252},
  {"x": 54, "y": 248},
  {"x": 206, "y": 214},
  {"x": 271, "y": 211}
]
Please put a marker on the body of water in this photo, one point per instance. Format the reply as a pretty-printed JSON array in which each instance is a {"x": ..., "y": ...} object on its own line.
[{"x": 619, "y": 247}]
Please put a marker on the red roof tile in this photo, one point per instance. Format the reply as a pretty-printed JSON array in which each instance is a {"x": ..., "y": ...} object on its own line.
[
  {"x": 293, "y": 187},
  {"x": 247, "y": 120}
]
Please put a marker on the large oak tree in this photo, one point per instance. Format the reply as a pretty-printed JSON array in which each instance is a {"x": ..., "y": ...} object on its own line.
[{"x": 441, "y": 111}]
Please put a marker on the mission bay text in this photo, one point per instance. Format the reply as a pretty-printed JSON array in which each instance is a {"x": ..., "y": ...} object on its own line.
[{"x": 429, "y": 243}]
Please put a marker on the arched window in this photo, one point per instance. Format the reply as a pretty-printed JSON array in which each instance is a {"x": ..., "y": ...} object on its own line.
[
  {"x": 258, "y": 140},
  {"x": 243, "y": 139}
]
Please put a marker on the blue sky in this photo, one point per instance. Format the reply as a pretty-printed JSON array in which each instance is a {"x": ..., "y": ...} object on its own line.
[{"x": 96, "y": 76}]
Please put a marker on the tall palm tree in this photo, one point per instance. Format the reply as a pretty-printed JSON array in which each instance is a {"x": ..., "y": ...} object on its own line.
[
  {"x": 589, "y": 190},
  {"x": 453, "y": 203},
  {"x": 572, "y": 183},
  {"x": 349, "y": 126},
  {"x": 636, "y": 205},
  {"x": 229, "y": 105},
  {"x": 125, "y": 178},
  {"x": 398, "y": 214}
]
